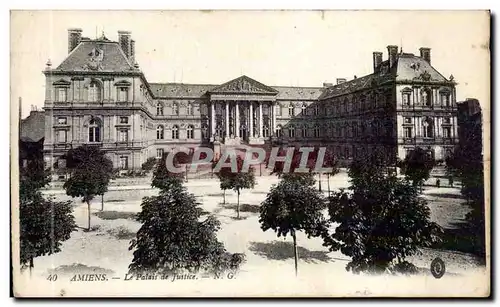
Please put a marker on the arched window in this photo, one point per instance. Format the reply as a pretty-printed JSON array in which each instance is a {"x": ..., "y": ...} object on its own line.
[
  {"x": 317, "y": 132},
  {"x": 265, "y": 131},
  {"x": 189, "y": 109},
  {"x": 279, "y": 131},
  {"x": 204, "y": 132},
  {"x": 304, "y": 132},
  {"x": 175, "y": 109},
  {"x": 94, "y": 131},
  {"x": 160, "y": 132},
  {"x": 190, "y": 132},
  {"x": 94, "y": 92},
  {"x": 426, "y": 97},
  {"x": 428, "y": 128},
  {"x": 159, "y": 108},
  {"x": 291, "y": 131},
  {"x": 175, "y": 132}
]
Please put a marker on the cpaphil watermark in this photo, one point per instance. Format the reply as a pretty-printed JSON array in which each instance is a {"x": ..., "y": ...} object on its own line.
[{"x": 241, "y": 158}]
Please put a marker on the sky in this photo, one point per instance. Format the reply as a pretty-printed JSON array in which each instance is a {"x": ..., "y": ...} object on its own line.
[{"x": 287, "y": 48}]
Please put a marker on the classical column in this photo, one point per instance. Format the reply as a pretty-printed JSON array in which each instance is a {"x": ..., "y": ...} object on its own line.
[
  {"x": 227, "y": 119},
  {"x": 212, "y": 119},
  {"x": 237, "y": 120},
  {"x": 417, "y": 96},
  {"x": 273, "y": 132},
  {"x": 250, "y": 124},
  {"x": 260, "y": 119}
]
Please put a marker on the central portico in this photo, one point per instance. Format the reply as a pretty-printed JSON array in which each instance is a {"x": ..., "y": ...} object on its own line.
[{"x": 242, "y": 111}]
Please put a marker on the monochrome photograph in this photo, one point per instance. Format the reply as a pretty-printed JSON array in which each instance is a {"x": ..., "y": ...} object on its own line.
[{"x": 250, "y": 154}]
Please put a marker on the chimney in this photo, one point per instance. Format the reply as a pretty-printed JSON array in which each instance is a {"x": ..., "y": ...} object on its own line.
[
  {"x": 124, "y": 41},
  {"x": 425, "y": 53},
  {"x": 74, "y": 38},
  {"x": 341, "y": 80},
  {"x": 326, "y": 84},
  {"x": 393, "y": 52},
  {"x": 377, "y": 60},
  {"x": 132, "y": 51}
]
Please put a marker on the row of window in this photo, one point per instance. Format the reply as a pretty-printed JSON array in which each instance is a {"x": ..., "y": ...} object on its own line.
[
  {"x": 160, "y": 132},
  {"x": 427, "y": 131},
  {"x": 175, "y": 109},
  {"x": 64, "y": 120},
  {"x": 426, "y": 98},
  {"x": 94, "y": 93},
  {"x": 408, "y": 120}
]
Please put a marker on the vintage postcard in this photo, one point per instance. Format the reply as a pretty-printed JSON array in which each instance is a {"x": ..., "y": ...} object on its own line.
[{"x": 250, "y": 153}]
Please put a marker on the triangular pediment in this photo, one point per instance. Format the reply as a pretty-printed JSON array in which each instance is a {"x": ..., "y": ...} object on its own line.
[{"x": 244, "y": 85}]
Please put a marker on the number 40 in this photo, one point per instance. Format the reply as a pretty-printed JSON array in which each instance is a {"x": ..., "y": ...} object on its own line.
[{"x": 52, "y": 277}]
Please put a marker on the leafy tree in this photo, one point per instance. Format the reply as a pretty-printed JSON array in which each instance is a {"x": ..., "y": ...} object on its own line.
[
  {"x": 240, "y": 180},
  {"x": 91, "y": 172},
  {"x": 381, "y": 218},
  {"x": 331, "y": 162},
  {"x": 174, "y": 238},
  {"x": 417, "y": 166},
  {"x": 163, "y": 178},
  {"x": 149, "y": 164},
  {"x": 305, "y": 178},
  {"x": 44, "y": 223},
  {"x": 224, "y": 175},
  {"x": 292, "y": 206},
  {"x": 466, "y": 163}
]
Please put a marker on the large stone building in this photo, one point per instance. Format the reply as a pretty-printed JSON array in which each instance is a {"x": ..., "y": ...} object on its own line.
[{"x": 99, "y": 95}]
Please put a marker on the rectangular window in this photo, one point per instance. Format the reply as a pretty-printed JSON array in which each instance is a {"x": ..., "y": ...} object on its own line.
[
  {"x": 62, "y": 120},
  {"x": 446, "y": 132},
  {"x": 122, "y": 94},
  {"x": 159, "y": 153},
  {"x": 123, "y": 136},
  {"x": 123, "y": 162},
  {"x": 408, "y": 132},
  {"x": 278, "y": 110},
  {"x": 62, "y": 136},
  {"x": 124, "y": 120},
  {"x": 407, "y": 120},
  {"x": 406, "y": 99},
  {"x": 61, "y": 94},
  {"x": 445, "y": 100}
]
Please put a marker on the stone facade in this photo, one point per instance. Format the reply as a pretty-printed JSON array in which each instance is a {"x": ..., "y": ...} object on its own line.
[{"x": 98, "y": 95}]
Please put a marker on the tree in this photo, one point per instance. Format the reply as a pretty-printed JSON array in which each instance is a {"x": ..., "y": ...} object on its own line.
[
  {"x": 331, "y": 162},
  {"x": 417, "y": 166},
  {"x": 381, "y": 218},
  {"x": 174, "y": 238},
  {"x": 466, "y": 163},
  {"x": 149, "y": 164},
  {"x": 306, "y": 178},
  {"x": 44, "y": 223},
  {"x": 91, "y": 172},
  {"x": 292, "y": 206},
  {"x": 163, "y": 178},
  {"x": 224, "y": 175},
  {"x": 241, "y": 179}
]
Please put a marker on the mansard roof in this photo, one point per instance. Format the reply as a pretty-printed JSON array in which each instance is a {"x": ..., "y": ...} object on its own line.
[
  {"x": 170, "y": 90},
  {"x": 96, "y": 55},
  {"x": 408, "y": 68}
]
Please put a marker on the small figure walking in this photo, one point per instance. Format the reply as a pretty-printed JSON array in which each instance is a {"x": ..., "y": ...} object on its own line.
[{"x": 438, "y": 183}]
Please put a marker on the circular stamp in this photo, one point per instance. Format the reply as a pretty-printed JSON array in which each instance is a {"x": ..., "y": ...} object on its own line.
[{"x": 438, "y": 267}]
